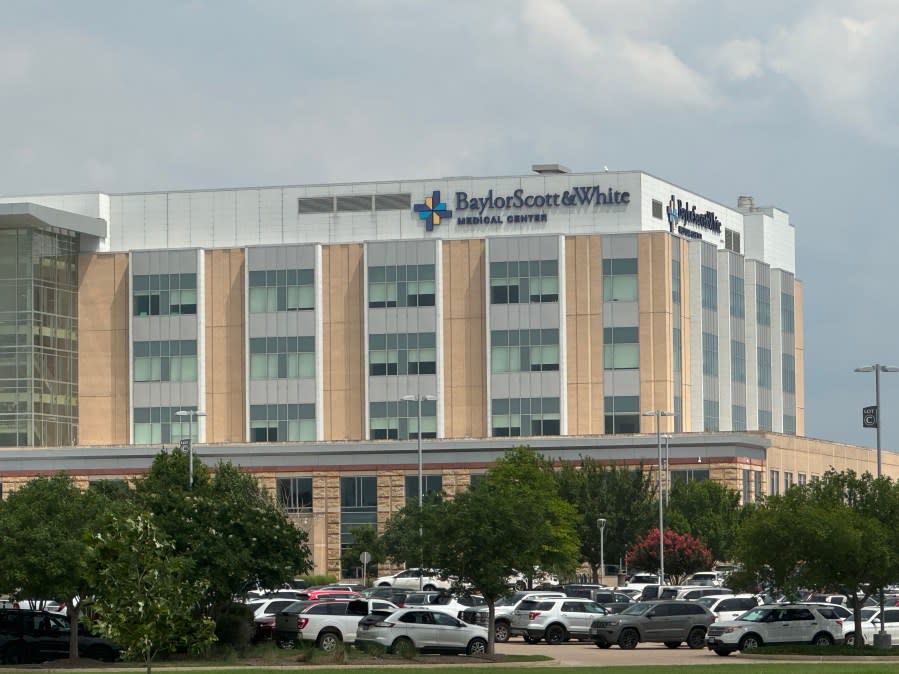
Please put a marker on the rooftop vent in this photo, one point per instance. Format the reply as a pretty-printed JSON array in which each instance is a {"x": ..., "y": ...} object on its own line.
[
  {"x": 550, "y": 169},
  {"x": 745, "y": 203}
]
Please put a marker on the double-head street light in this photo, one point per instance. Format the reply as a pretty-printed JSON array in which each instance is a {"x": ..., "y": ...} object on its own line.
[
  {"x": 419, "y": 399},
  {"x": 601, "y": 523},
  {"x": 658, "y": 414},
  {"x": 883, "y": 639},
  {"x": 190, "y": 440}
]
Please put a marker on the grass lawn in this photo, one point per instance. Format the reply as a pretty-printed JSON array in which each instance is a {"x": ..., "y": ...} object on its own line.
[{"x": 755, "y": 668}]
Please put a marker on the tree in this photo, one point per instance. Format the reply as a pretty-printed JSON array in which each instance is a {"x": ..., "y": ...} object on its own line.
[
  {"x": 145, "y": 600},
  {"x": 42, "y": 526},
  {"x": 226, "y": 528},
  {"x": 623, "y": 496},
  {"x": 365, "y": 539},
  {"x": 707, "y": 510},
  {"x": 684, "y": 554}
]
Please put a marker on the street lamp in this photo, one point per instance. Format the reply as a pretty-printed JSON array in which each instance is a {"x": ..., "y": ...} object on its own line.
[
  {"x": 190, "y": 440},
  {"x": 883, "y": 639},
  {"x": 419, "y": 399},
  {"x": 601, "y": 523},
  {"x": 667, "y": 437},
  {"x": 658, "y": 414}
]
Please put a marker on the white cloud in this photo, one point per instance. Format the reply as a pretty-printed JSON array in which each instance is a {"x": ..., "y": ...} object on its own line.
[{"x": 736, "y": 59}]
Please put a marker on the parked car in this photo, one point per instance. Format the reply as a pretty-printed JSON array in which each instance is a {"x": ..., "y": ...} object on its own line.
[
  {"x": 582, "y": 589},
  {"x": 397, "y": 595},
  {"x": 539, "y": 580},
  {"x": 325, "y": 623},
  {"x": 713, "y": 578},
  {"x": 318, "y": 595},
  {"x": 841, "y": 612},
  {"x": 452, "y": 604},
  {"x": 502, "y": 612},
  {"x": 667, "y": 621},
  {"x": 415, "y": 579},
  {"x": 640, "y": 580},
  {"x": 612, "y": 601},
  {"x": 36, "y": 636},
  {"x": 555, "y": 619},
  {"x": 689, "y": 593},
  {"x": 270, "y": 606},
  {"x": 729, "y": 606},
  {"x": 654, "y": 591},
  {"x": 773, "y": 624},
  {"x": 871, "y": 625},
  {"x": 423, "y": 630}
]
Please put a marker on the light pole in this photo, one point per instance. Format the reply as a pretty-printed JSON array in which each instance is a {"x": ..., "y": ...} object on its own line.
[
  {"x": 190, "y": 440},
  {"x": 667, "y": 437},
  {"x": 881, "y": 640},
  {"x": 601, "y": 523},
  {"x": 658, "y": 414},
  {"x": 419, "y": 399}
]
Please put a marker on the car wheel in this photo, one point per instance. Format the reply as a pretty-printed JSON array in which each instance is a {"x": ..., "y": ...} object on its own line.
[
  {"x": 328, "y": 641},
  {"x": 822, "y": 639},
  {"x": 531, "y": 640},
  {"x": 850, "y": 639},
  {"x": 476, "y": 646},
  {"x": 555, "y": 635},
  {"x": 500, "y": 633},
  {"x": 628, "y": 639},
  {"x": 603, "y": 644},
  {"x": 696, "y": 638},
  {"x": 672, "y": 644},
  {"x": 101, "y": 653},
  {"x": 521, "y": 586},
  {"x": 404, "y": 647},
  {"x": 383, "y": 584},
  {"x": 428, "y": 588},
  {"x": 749, "y": 642},
  {"x": 723, "y": 652}
]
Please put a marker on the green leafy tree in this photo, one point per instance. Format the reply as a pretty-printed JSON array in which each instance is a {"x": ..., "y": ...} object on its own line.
[
  {"x": 43, "y": 556},
  {"x": 365, "y": 539},
  {"x": 145, "y": 599},
  {"x": 684, "y": 554},
  {"x": 708, "y": 510},
  {"x": 226, "y": 527},
  {"x": 624, "y": 497}
]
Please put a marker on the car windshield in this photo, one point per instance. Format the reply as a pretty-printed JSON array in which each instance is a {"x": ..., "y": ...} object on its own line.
[
  {"x": 637, "y": 609},
  {"x": 756, "y": 615},
  {"x": 868, "y": 613},
  {"x": 708, "y": 602},
  {"x": 645, "y": 579},
  {"x": 512, "y": 599}
]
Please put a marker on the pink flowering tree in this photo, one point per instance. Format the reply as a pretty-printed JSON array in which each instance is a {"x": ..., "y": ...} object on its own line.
[{"x": 684, "y": 555}]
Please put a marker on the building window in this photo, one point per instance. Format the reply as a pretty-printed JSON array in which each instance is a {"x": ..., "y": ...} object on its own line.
[
  {"x": 747, "y": 492},
  {"x": 789, "y": 373},
  {"x": 619, "y": 280},
  {"x": 358, "y": 508},
  {"x": 801, "y": 479},
  {"x": 787, "y": 318},
  {"x": 678, "y": 414},
  {"x": 525, "y": 416},
  {"x": 709, "y": 288},
  {"x": 657, "y": 209},
  {"x": 737, "y": 360},
  {"x": 737, "y": 301},
  {"x": 774, "y": 483},
  {"x": 164, "y": 294},
  {"x": 430, "y": 484},
  {"x": 282, "y": 358},
  {"x": 398, "y": 419},
  {"x": 411, "y": 285},
  {"x": 732, "y": 240},
  {"x": 788, "y": 480},
  {"x": 709, "y": 354},
  {"x": 764, "y": 361},
  {"x": 765, "y": 422},
  {"x": 675, "y": 281},
  {"x": 763, "y": 305},
  {"x": 815, "y": 478},
  {"x": 738, "y": 417},
  {"x": 676, "y": 350},
  {"x": 621, "y": 348},
  {"x": 404, "y": 353},
  {"x": 295, "y": 494},
  {"x": 757, "y": 479},
  {"x": 158, "y": 425},
  {"x": 282, "y": 423},
  {"x": 789, "y": 424},
  {"x": 688, "y": 475},
  {"x": 174, "y": 360},
  {"x": 524, "y": 350},
  {"x": 622, "y": 415},
  {"x": 710, "y": 419},
  {"x": 282, "y": 290},
  {"x": 524, "y": 281}
]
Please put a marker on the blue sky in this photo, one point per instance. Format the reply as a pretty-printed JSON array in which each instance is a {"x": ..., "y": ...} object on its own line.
[{"x": 792, "y": 103}]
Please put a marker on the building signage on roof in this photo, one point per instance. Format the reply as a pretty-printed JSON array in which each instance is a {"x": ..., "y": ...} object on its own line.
[
  {"x": 478, "y": 207},
  {"x": 681, "y": 218}
]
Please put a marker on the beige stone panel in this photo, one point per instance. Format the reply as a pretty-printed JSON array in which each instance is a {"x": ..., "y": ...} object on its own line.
[
  {"x": 686, "y": 326},
  {"x": 225, "y": 346},
  {"x": 103, "y": 367},
  {"x": 656, "y": 367},
  {"x": 343, "y": 343},
  {"x": 799, "y": 337},
  {"x": 464, "y": 339},
  {"x": 583, "y": 283}
]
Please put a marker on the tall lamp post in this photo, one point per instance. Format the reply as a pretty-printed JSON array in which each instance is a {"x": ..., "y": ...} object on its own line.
[
  {"x": 881, "y": 640},
  {"x": 658, "y": 414},
  {"x": 419, "y": 399},
  {"x": 190, "y": 440},
  {"x": 601, "y": 523},
  {"x": 667, "y": 437}
]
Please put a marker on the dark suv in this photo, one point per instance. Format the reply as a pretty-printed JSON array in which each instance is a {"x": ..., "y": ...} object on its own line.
[
  {"x": 36, "y": 636},
  {"x": 669, "y": 621}
]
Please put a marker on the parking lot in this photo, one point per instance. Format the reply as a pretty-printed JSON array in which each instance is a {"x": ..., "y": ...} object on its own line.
[{"x": 584, "y": 653}]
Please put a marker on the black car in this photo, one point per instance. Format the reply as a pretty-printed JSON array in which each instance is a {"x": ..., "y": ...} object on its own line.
[{"x": 36, "y": 636}]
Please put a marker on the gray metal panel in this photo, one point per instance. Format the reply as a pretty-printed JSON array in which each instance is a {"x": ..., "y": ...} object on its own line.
[
  {"x": 164, "y": 394},
  {"x": 522, "y": 316},
  {"x": 394, "y": 320},
  {"x": 27, "y": 214},
  {"x": 617, "y": 246},
  {"x": 620, "y": 314},
  {"x": 392, "y": 388},
  {"x": 503, "y": 249},
  {"x": 526, "y": 385},
  {"x": 281, "y": 391},
  {"x": 621, "y": 382},
  {"x": 282, "y": 324}
]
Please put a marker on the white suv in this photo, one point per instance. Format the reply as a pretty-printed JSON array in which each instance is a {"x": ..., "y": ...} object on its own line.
[
  {"x": 555, "y": 619},
  {"x": 502, "y": 612},
  {"x": 775, "y": 624},
  {"x": 415, "y": 579}
]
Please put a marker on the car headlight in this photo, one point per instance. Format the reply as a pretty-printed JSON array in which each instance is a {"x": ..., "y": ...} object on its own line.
[{"x": 731, "y": 630}]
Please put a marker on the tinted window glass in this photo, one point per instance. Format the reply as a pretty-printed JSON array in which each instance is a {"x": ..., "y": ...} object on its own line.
[{"x": 664, "y": 610}]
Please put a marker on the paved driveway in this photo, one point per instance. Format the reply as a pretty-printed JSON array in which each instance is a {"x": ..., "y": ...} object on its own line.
[{"x": 585, "y": 653}]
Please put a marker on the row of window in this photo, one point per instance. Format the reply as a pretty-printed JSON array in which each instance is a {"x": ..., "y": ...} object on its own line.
[
  {"x": 524, "y": 350},
  {"x": 402, "y": 354},
  {"x": 282, "y": 358},
  {"x": 402, "y": 286}
]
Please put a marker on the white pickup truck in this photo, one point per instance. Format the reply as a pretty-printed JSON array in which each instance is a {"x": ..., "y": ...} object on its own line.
[{"x": 326, "y": 623}]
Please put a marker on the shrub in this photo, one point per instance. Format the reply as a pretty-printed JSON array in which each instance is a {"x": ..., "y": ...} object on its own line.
[{"x": 234, "y": 626}]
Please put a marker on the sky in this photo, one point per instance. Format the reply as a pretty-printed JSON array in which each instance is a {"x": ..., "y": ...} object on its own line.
[{"x": 794, "y": 104}]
